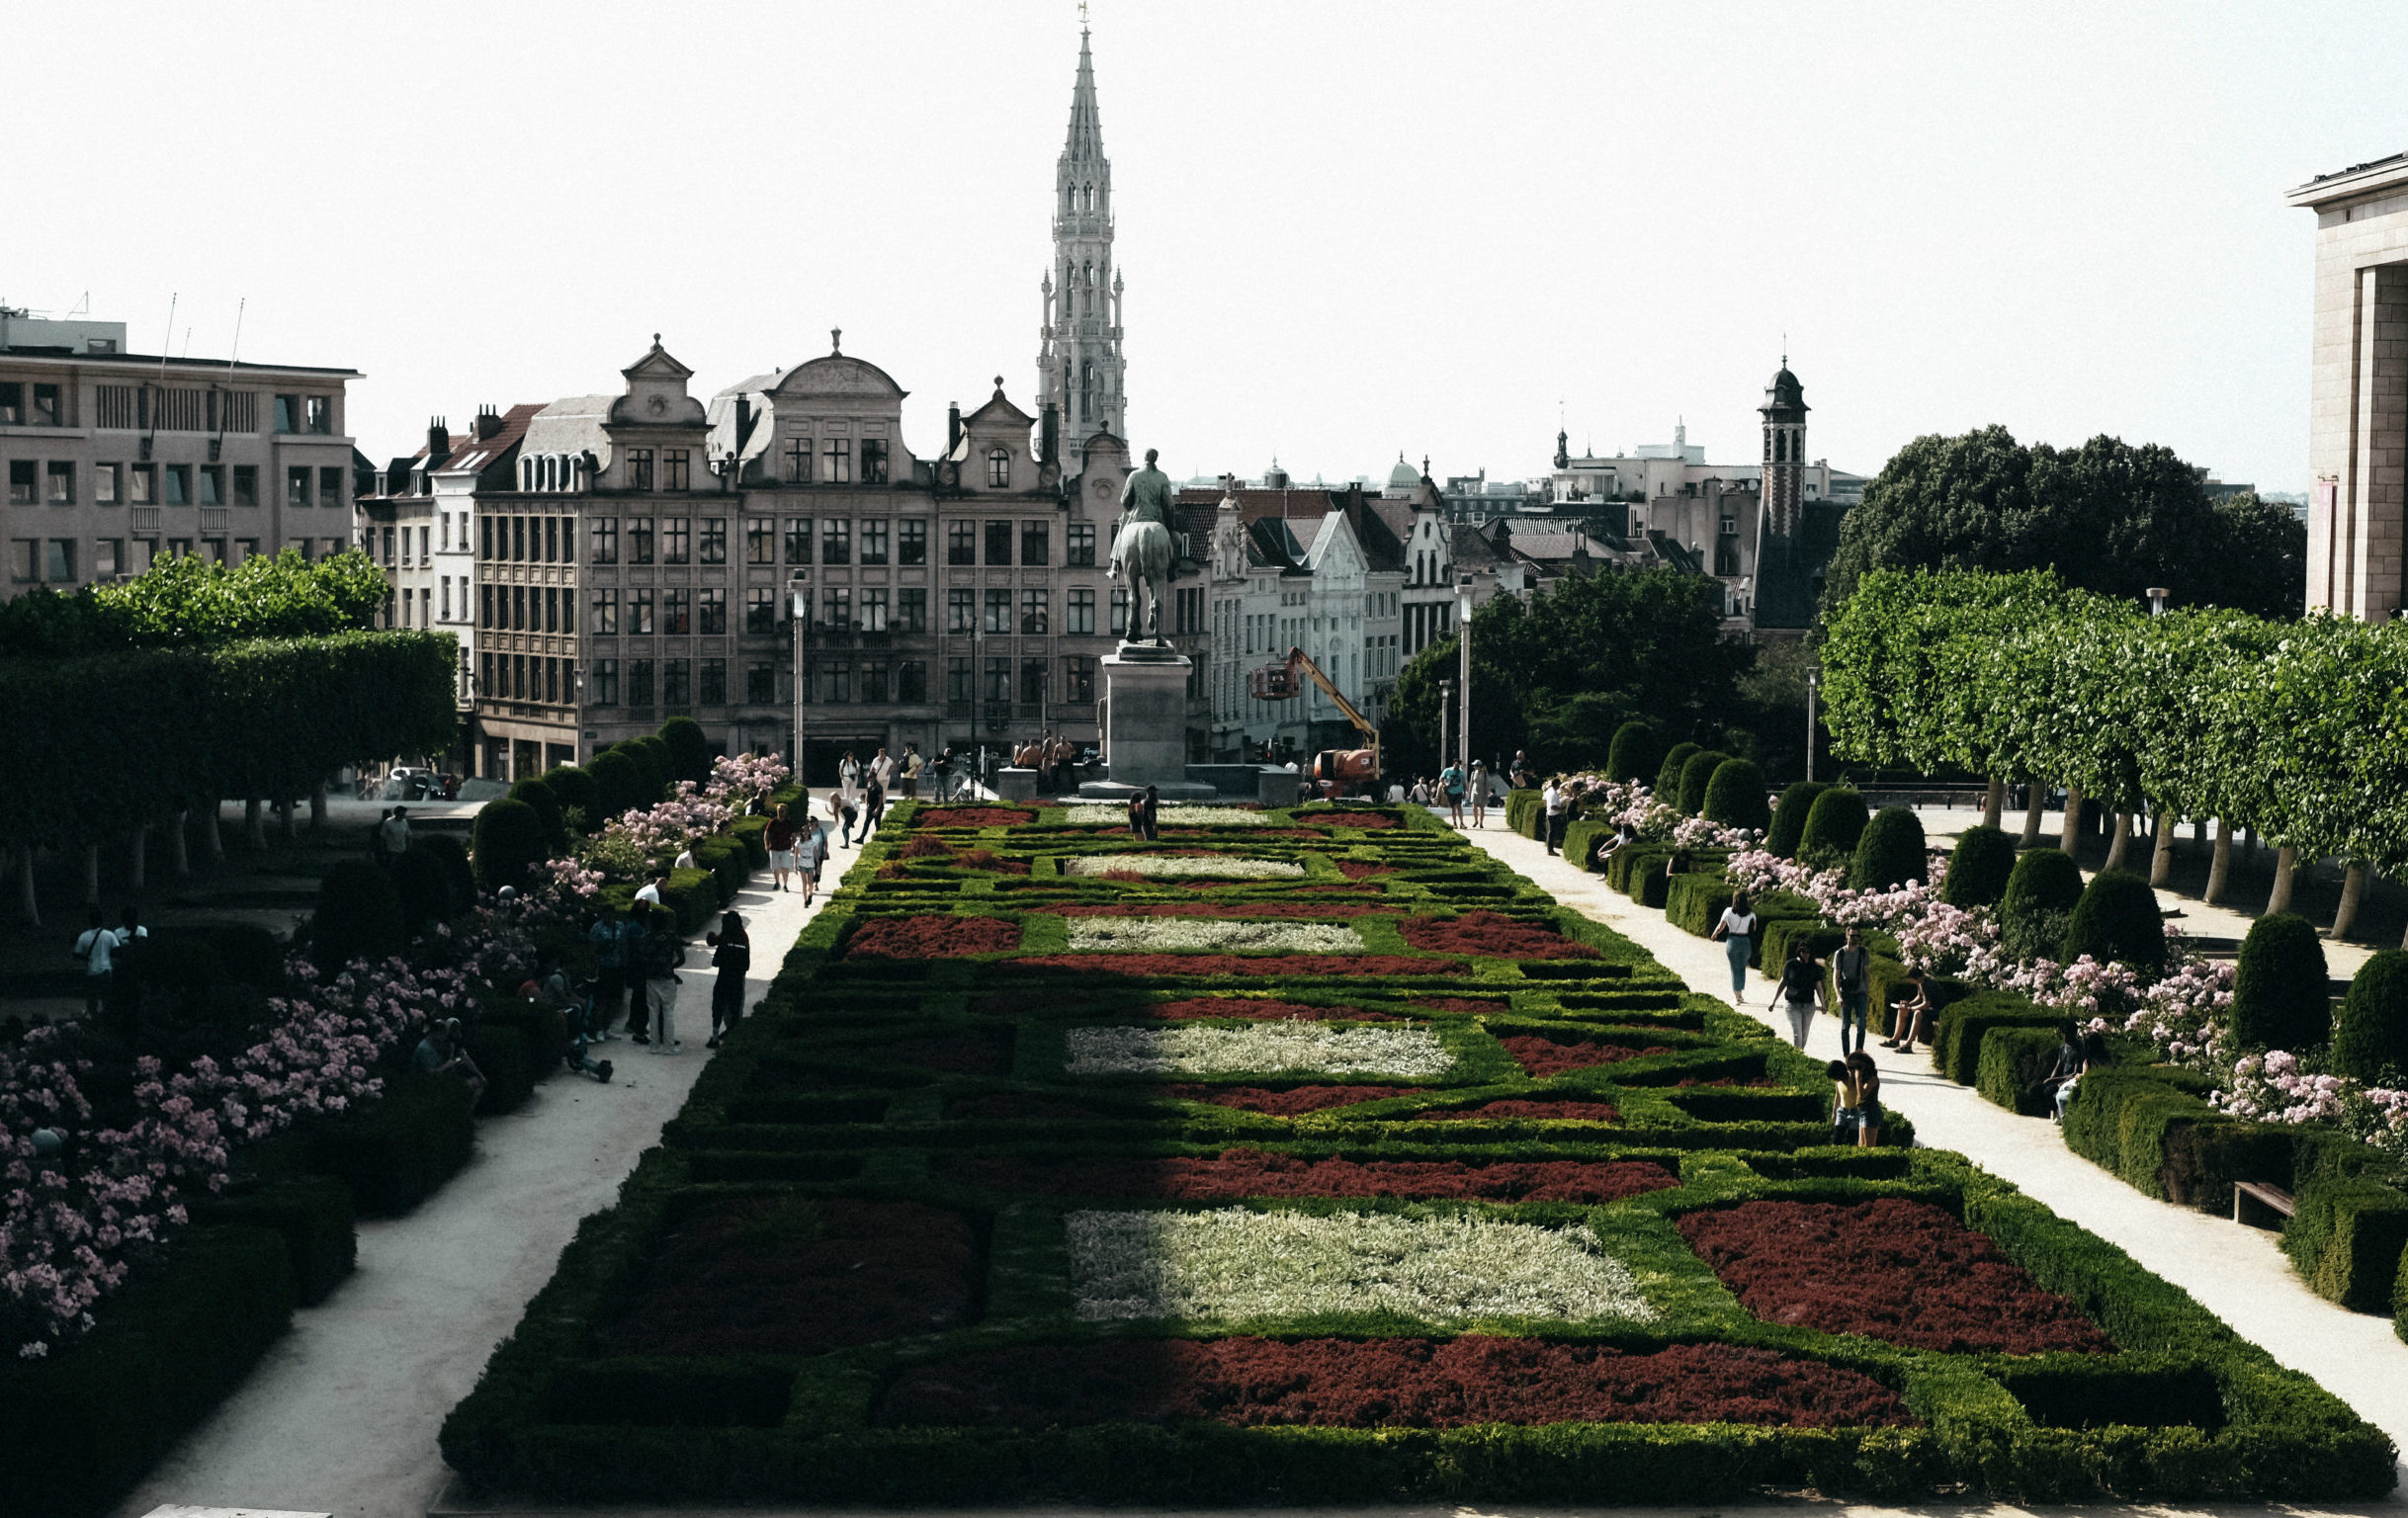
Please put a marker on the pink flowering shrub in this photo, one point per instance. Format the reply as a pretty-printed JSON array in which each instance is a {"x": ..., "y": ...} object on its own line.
[{"x": 655, "y": 834}]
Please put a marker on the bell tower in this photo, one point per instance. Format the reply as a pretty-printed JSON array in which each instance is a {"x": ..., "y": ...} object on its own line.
[
  {"x": 1784, "y": 414},
  {"x": 1078, "y": 362}
]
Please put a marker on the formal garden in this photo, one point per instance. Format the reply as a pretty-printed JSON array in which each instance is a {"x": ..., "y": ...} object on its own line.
[{"x": 1312, "y": 1155}]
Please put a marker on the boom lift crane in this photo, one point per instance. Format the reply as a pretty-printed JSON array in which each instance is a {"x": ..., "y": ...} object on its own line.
[{"x": 1335, "y": 771}]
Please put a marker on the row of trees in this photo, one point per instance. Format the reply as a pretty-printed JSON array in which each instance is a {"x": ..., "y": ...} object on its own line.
[{"x": 2295, "y": 729}]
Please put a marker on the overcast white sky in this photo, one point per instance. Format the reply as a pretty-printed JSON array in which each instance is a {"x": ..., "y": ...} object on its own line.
[{"x": 1347, "y": 229}]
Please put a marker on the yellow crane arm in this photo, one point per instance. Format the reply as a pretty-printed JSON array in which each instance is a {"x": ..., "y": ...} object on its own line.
[{"x": 1298, "y": 658}]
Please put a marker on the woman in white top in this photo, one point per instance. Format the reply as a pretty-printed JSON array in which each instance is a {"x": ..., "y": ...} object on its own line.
[
  {"x": 1480, "y": 792},
  {"x": 848, "y": 775},
  {"x": 1737, "y": 930}
]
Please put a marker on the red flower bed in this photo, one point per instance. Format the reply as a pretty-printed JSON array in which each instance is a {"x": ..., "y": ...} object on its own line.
[
  {"x": 1240, "y": 1174},
  {"x": 931, "y": 936},
  {"x": 1219, "y": 908},
  {"x": 976, "y": 816},
  {"x": 1368, "y": 821},
  {"x": 780, "y": 1276},
  {"x": 1492, "y": 933},
  {"x": 1293, "y": 1101},
  {"x": 1524, "y": 1107},
  {"x": 1386, "y": 1384},
  {"x": 1264, "y": 965},
  {"x": 1261, "y": 1009},
  {"x": 1543, "y": 1056},
  {"x": 1892, "y": 1269},
  {"x": 989, "y": 859},
  {"x": 1358, "y": 870},
  {"x": 1477, "y": 1007},
  {"x": 1012, "y": 1104},
  {"x": 959, "y": 1053},
  {"x": 926, "y": 846}
]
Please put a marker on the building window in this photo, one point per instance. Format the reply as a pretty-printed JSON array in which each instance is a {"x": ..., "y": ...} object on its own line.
[
  {"x": 760, "y": 611},
  {"x": 760, "y": 540},
  {"x": 837, "y": 456},
  {"x": 104, "y": 484},
  {"x": 676, "y": 464},
  {"x": 836, "y": 609},
  {"x": 640, "y": 682},
  {"x": 1034, "y": 545},
  {"x": 998, "y": 467},
  {"x": 960, "y": 610},
  {"x": 144, "y": 479},
  {"x": 1078, "y": 544},
  {"x": 59, "y": 564},
  {"x": 677, "y": 540},
  {"x": 330, "y": 487},
  {"x": 12, "y": 403},
  {"x": 998, "y": 610},
  {"x": 604, "y": 687},
  {"x": 912, "y": 610},
  {"x": 911, "y": 682},
  {"x": 1032, "y": 681},
  {"x": 836, "y": 684},
  {"x": 1035, "y": 612},
  {"x": 957, "y": 677},
  {"x": 714, "y": 547},
  {"x": 873, "y": 460},
  {"x": 1081, "y": 611},
  {"x": 874, "y": 539},
  {"x": 798, "y": 461},
  {"x": 604, "y": 540},
  {"x": 711, "y": 611},
  {"x": 21, "y": 481},
  {"x": 874, "y": 684},
  {"x": 639, "y": 612},
  {"x": 713, "y": 683},
  {"x": 23, "y": 560},
  {"x": 288, "y": 413},
  {"x": 911, "y": 540},
  {"x": 798, "y": 539},
  {"x": 962, "y": 543},
  {"x": 999, "y": 679},
  {"x": 59, "y": 477},
  {"x": 485, "y": 606},
  {"x": 246, "y": 483},
  {"x": 212, "y": 484},
  {"x": 1120, "y": 611},
  {"x": 999, "y": 543},
  {"x": 518, "y": 540},
  {"x": 874, "y": 609},
  {"x": 677, "y": 611},
  {"x": 321, "y": 412},
  {"x": 678, "y": 682},
  {"x": 835, "y": 541},
  {"x": 1078, "y": 679},
  {"x": 297, "y": 486},
  {"x": 761, "y": 682},
  {"x": 638, "y": 477},
  {"x": 640, "y": 540}
]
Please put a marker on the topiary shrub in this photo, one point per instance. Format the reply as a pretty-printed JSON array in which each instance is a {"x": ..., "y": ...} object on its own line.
[
  {"x": 1697, "y": 773},
  {"x": 2116, "y": 921},
  {"x": 654, "y": 749},
  {"x": 2371, "y": 1032},
  {"x": 574, "y": 789},
  {"x": 1978, "y": 868},
  {"x": 508, "y": 842},
  {"x": 689, "y": 749},
  {"x": 453, "y": 855},
  {"x": 2280, "y": 998},
  {"x": 1788, "y": 827},
  {"x": 1735, "y": 796},
  {"x": 358, "y": 916},
  {"x": 536, "y": 794},
  {"x": 618, "y": 785},
  {"x": 1890, "y": 852},
  {"x": 1668, "y": 774},
  {"x": 424, "y": 887},
  {"x": 1833, "y": 825},
  {"x": 1636, "y": 752},
  {"x": 2041, "y": 891}
]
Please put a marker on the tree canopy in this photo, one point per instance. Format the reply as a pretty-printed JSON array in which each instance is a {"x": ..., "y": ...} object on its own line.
[{"x": 185, "y": 602}]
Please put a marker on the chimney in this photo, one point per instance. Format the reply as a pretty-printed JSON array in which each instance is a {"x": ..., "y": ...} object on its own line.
[
  {"x": 953, "y": 426},
  {"x": 438, "y": 442},
  {"x": 489, "y": 422}
]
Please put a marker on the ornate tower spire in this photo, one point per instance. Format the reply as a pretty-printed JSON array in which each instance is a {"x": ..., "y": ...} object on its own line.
[{"x": 1079, "y": 364}]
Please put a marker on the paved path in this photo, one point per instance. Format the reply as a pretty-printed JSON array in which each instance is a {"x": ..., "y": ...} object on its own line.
[
  {"x": 341, "y": 1415},
  {"x": 2236, "y": 1272}
]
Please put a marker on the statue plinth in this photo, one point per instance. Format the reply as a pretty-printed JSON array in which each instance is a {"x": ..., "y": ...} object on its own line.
[{"x": 1146, "y": 724}]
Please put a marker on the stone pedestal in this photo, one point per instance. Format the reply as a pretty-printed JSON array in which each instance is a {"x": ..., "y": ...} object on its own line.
[
  {"x": 1014, "y": 783},
  {"x": 1146, "y": 725},
  {"x": 1278, "y": 788}
]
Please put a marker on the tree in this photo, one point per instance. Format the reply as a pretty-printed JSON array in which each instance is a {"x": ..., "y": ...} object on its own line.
[
  {"x": 2281, "y": 996},
  {"x": 1636, "y": 752},
  {"x": 689, "y": 749}
]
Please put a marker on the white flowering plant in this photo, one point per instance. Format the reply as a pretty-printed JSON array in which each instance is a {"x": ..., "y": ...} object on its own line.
[
  {"x": 1263, "y": 1049},
  {"x": 1178, "y": 935},
  {"x": 1185, "y": 866}
]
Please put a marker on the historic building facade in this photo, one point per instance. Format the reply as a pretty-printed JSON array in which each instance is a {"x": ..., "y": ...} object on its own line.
[{"x": 1079, "y": 366}]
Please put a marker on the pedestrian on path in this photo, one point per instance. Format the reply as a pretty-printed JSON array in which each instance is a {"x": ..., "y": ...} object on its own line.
[
  {"x": 873, "y": 806},
  {"x": 1869, "y": 1099},
  {"x": 614, "y": 941},
  {"x": 658, "y": 953},
  {"x": 848, "y": 775},
  {"x": 96, "y": 946},
  {"x": 1801, "y": 990},
  {"x": 1450, "y": 779},
  {"x": 731, "y": 957},
  {"x": 840, "y": 812},
  {"x": 809, "y": 854},
  {"x": 780, "y": 836},
  {"x": 1558, "y": 803},
  {"x": 1847, "y": 968},
  {"x": 1737, "y": 930},
  {"x": 912, "y": 765},
  {"x": 395, "y": 830},
  {"x": 1480, "y": 792}
]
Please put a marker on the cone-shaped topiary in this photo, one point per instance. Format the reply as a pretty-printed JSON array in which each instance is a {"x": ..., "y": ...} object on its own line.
[
  {"x": 2281, "y": 996},
  {"x": 651, "y": 752},
  {"x": 1833, "y": 825},
  {"x": 1788, "y": 828},
  {"x": 359, "y": 915},
  {"x": 618, "y": 785},
  {"x": 2041, "y": 892},
  {"x": 2371, "y": 1032},
  {"x": 1735, "y": 796},
  {"x": 1636, "y": 753},
  {"x": 453, "y": 856},
  {"x": 507, "y": 842},
  {"x": 424, "y": 888},
  {"x": 1891, "y": 852},
  {"x": 689, "y": 749},
  {"x": 1697, "y": 773},
  {"x": 540, "y": 796},
  {"x": 2116, "y": 921},
  {"x": 1978, "y": 868},
  {"x": 574, "y": 789},
  {"x": 1668, "y": 774}
]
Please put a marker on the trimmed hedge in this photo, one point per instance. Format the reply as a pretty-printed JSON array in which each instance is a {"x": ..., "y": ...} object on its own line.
[
  {"x": 453, "y": 855},
  {"x": 2012, "y": 1061},
  {"x": 311, "y": 1213},
  {"x": 359, "y": 915},
  {"x": 1959, "y": 1029},
  {"x": 536, "y": 793},
  {"x": 1735, "y": 796},
  {"x": 1523, "y": 808},
  {"x": 2117, "y": 920},
  {"x": 2346, "y": 1240},
  {"x": 1636, "y": 752},
  {"x": 2119, "y": 1119},
  {"x": 1890, "y": 851},
  {"x": 1979, "y": 868},
  {"x": 394, "y": 1155},
  {"x": 2370, "y": 1034},
  {"x": 1788, "y": 828},
  {"x": 689, "y": 749},
  {"x": 507, "y": 843},
  {"x": 2043, "y": 887},
  {"x": 1696, "y": 777},
  {"x": 619, "y": 783},
  {"x": 1668, "y": 774},
  {"x": 2280, "y": 992},
  {"x": 1833, "y": 825},
  {"x": 574, "y": 787},
  {"x": 424, "y": 887},
  {"x": 1583, "y": 838},
  {"x": 509, "y": 1066}
]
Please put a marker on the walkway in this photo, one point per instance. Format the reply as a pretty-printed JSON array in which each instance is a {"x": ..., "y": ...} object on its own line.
[
  {"x": 2237, "y": 1272},
  {"x": 341, "y": 1415}
]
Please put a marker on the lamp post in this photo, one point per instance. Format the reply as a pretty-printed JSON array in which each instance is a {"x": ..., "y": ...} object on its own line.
[
  {"x": 1446, "y": 717},
  {"x": 799, "y": 589},
  {"x": 1814, "y": 688},
  {"x": 1463, "y": 650}
]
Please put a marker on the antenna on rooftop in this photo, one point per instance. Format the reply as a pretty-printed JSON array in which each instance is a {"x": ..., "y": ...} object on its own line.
[{"x": 83, "y": 307}]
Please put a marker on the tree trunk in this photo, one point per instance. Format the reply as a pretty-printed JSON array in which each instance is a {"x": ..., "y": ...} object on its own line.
[
  {"x": 2160, "y": 864},
  {"x": 2353, "y": 892},
  {"x": 212, "y": 833},
  {"x": 138, "y": 858},
  {"x": 1993, "y": 803},
  {"x": 287, "y": 819},
  {"x": 179, "y": 847},
  {"x": 91, "y": 874},
  {"x": 2033, "y": 812},
  {"x": 2199, "y": 831},
  {"x": 2069, "y": 838},
  {"x": 317, "y": 806},
  {"x": 2122, "y": 843},
  {"x": 27, "y": 900},
  {"x": 254, "y": 826},
  {"x": 2286, "y": 859}
]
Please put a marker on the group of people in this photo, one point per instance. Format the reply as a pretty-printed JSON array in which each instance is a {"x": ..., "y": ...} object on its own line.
[
  {"x": 1051, "y": 756},
  {"x": 102, "y": 948},
  {"x": 1146, "y": 815},
  {"x": 637, "y": 958},
  {"x": 1452, "y": 786}
]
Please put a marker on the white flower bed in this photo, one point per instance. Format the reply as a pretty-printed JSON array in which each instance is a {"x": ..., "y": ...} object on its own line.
[
  {"x": 1232, "y": 1263},
  {"x": 1169, "y": 817},
  {"x": 1175, "y": 935},
  {"x": 1186, "y": 866},
  {"x": 1302, "y": 1048}
]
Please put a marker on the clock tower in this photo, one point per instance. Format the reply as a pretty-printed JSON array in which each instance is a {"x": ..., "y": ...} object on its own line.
[{"x": 1080, "y": 364}]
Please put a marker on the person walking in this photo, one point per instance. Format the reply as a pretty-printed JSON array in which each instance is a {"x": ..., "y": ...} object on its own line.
[
  {"x": 395, "y": 831},
  {"x": 848, "y": 775},
  {"x": 911, "y": 772},
  {"x": 780, "y": 836},
  {"x": 1868, "y": 1098},
  {"x": 658, "y": 953},
  {"x": 1136, "y": 814},
  {"x": 1847, "y": 973},
  {"x": 731, "y": 957},
  {"x": 1558, "y": 803},
  {"x": 873, "y": 806},
  {"x": 1801, "y": 990},
  {"x": 1737, "y": 930},
  {"x": 376, "y": 837},
  {"x": 97, "y": 947},
  {"x": 944, "y": 773},
  {"x": 840, "y": 812},
  {"x": 1450, "y": 779},
  {"x": 1480, "y": 792},
  {"x": 811, "y": 855},
  {"x": 614, "y": 941}
]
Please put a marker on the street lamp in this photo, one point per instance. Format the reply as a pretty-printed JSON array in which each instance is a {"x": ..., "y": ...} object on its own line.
[
  {"x": 799, "y": 591},
  {"x": 1814, "y": 688},
  {"x": 2159, "y": 595},
  {"x": 1463, "y": 650},
  {"x": 1447, "y": 716}
]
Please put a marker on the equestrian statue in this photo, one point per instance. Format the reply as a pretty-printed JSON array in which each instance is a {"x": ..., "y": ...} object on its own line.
[{"x": 1143, "y": 548}]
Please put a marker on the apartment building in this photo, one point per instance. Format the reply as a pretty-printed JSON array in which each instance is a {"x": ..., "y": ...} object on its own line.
[{"x": 113, "y": 457}]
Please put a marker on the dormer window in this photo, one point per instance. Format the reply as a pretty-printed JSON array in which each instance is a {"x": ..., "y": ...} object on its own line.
[
  {"x": 837, "y": 456},
  {"x": 798, "y": 462},
  {"x": 873, "y": 460},
  {"x": 998, "y": 467}
]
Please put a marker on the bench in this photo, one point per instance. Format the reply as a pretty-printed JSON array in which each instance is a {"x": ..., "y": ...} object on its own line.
[{"x": 2254, "y": 1200}]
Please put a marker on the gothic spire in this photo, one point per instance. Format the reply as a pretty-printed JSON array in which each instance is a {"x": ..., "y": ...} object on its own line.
[{"x": 1085, "y": 143}]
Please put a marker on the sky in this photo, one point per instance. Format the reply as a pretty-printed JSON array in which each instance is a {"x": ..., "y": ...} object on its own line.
[{"x": 1349, "y": 230}]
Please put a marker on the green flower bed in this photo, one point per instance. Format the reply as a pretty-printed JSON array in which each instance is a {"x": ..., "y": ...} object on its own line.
[{"x": 959, "y": 1168}]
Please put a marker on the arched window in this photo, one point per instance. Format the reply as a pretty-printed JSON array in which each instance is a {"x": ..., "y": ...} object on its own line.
[
  {"x": 1088, "y": 198},
  {"x": 998, "y": 467},
  {"x": 1086, "y": 388}
]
